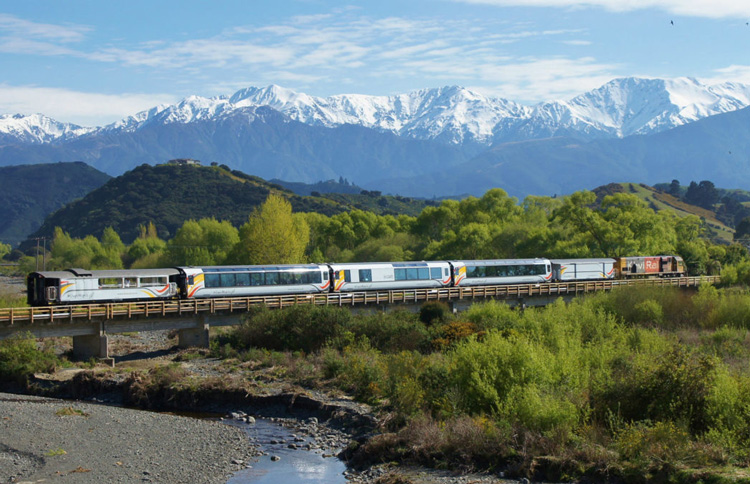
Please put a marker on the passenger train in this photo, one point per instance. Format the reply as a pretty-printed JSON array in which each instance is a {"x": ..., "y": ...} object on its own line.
[{"x": 80, "y": 286}]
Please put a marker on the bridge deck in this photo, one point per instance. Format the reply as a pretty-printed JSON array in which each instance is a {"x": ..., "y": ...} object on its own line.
[{"x": 171, "y": 308}]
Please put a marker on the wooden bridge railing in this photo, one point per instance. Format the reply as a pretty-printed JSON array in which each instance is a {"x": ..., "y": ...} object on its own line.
[{"x": 164, "y": 308}]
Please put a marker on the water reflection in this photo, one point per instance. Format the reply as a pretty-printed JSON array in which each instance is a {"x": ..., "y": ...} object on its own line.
[{"x": 295, "y": 465}]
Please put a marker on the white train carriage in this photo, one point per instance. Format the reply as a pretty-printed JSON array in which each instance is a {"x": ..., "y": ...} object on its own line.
[
  {"x": 367, "y": 276},
  {"x": 564, "y": 270},
  {"x": 501, "y": 271},
  {"x": 73, "y": 286},
  {"x": 240, "y": 281}
]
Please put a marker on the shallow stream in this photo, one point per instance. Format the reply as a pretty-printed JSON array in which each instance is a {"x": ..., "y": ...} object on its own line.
[{"x": 298, "y": 464}]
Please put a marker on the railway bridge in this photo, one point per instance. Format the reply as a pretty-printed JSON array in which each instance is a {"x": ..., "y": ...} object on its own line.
[{"x": 89, "y": 325}]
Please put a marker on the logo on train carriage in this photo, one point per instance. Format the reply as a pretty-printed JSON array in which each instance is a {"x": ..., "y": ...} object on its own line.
[
  {"x": 197, "y": 284},
  {"x": 64, "y": 286},
  {"x": 340, "y": 280},
  {"x": 460, "y": 274},
  {"x": 155, "y": 292}
]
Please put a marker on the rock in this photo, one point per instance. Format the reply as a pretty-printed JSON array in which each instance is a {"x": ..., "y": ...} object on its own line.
[
  {"x": 275, "y": 458},
  {"x": 249, "y": 419}
]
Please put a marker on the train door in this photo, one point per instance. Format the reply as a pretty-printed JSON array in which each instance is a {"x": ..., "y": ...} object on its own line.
[{"x": 42, "y": 290}]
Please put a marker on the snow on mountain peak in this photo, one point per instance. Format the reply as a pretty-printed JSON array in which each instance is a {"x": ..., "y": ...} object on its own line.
[
  {"x": 450, "y": 114},
  {"x": 38, "y": 128}
]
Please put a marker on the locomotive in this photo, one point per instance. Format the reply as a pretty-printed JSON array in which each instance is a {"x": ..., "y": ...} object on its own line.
[{"x": 80, "y": 286}]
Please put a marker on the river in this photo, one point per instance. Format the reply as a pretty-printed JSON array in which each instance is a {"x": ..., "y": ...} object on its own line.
[{"x": 294, "y": 464}]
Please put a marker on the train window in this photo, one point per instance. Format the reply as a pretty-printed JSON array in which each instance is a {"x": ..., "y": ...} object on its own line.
[
  {"x": 325, "y": 275},
  {"x": 212, "y": 280},
  {"x": 228, "y": 280},
  {"x": 347, "y": 276},
  {"x": 412, "y": 274},
  {"x": 423, "y": 273},
  {"x": 474, "y": 271},
  {"x": 110, "y": 283},
  {"x": 399, "y": 274},
  {"x": 446, "y": 272},
  {"x": 435, "y": 273},
  {"x": 365, "y": 275},
  {"x": 256, "y": 279},
  {"x": 315, "y": 277},
  {"x": 490, "y": 271},
  {"x": 243, "y": 279},
  {"x": 272, "y": 278},
  {"x": 153, "y": 281}
]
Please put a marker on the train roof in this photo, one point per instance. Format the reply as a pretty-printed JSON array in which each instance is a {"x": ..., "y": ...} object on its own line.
[
  {"x": 168, "y": 271},
  {"x": 401, "y": 264},
  {"x": 574, "y": 260},
  {"x": 248, "y": 268},
  {"x": 496, "y": 262}
]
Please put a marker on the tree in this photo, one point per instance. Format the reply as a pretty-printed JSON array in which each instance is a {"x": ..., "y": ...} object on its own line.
[
  {"x": 4, "y": 250},
  {"x": 674, "y": 189},
  {"x": 203, "y": 242},
  {"x": 272, "y": 235},
  {"x": 703, "y": 194}
]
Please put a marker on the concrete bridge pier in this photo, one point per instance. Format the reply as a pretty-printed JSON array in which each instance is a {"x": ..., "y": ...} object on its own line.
[
  {"x": 94, "y": 345},
  {"x": 194, "y": 337}
]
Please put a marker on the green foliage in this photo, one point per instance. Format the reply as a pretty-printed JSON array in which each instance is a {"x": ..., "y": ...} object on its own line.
[
  {"x": 272, "y": 235},
  {"x": 4, "y": 250},
  {"x": 20, "y": 359},
  {"x": 434, "y": 312},
  {"x": 88, "y": 252},
  {"x": 298, "y": 328},
  {"x": 202, "y": 242}
]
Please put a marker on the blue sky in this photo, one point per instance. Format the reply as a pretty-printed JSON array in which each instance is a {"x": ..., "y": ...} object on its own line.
[{"x": 95, "y": 62}]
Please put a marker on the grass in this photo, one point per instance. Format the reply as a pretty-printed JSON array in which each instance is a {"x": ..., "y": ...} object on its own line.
[{"x": 71, "y": 412}]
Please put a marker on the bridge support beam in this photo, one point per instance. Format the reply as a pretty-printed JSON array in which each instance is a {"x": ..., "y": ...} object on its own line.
[
  {"x": 91, "y": 346},
  {"x": 194, "y": 337}
]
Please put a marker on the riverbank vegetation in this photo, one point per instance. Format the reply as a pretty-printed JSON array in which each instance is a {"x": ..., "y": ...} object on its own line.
[
  {"x": 636, "y": 385},
  {"x": 639, "y": 384}
]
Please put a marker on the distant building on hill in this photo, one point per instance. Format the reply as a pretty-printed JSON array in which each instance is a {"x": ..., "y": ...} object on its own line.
[{"x": 184, "y": 162}]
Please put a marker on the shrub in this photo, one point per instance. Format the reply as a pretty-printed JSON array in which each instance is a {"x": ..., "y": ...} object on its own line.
[
  {"x": 298, "y": 328},
  {"x": 434, "y": 312},
  {"x": 20, "y": 359},
  {"x": 392, "y": 332}
]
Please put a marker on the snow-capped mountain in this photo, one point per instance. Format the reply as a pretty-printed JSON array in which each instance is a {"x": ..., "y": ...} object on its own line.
[
  {"x": 451, "y": 115},
  {"x": 36, "y": 129},
  {"x": 629, "y": 106}
]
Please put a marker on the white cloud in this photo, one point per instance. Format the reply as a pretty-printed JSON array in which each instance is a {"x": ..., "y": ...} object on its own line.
[
  {"x": 737, "y": 73},
  {"x": 82, "y": 108},
  {"x": 18, "y": 27},
  {"x": 694, "y": 8}
]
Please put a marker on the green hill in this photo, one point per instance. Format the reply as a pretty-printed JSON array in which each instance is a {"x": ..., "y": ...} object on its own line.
[
  {"x": 660, "y": 200},
  {"x": 29, "y": 193},
  {"x": 167, "y": 195}
]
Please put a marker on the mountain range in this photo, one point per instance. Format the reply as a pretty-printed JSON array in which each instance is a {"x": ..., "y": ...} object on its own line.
[{"x": 431, "y": 142}]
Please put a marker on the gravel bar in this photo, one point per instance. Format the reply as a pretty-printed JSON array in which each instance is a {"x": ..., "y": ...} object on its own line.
[{"x": 62, "y": 441}]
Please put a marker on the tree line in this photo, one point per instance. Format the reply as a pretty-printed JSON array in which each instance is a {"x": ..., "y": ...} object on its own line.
[{"x": 492, "y": 226}]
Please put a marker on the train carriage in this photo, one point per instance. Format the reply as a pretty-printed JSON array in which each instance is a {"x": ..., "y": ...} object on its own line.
[
  {"x": 565, "y": 270},
  {"x": 73, "y": 286},
  {"x": 239, "y": 281},
  {"x": 367, "y": 276},
  {"x": 501, "y": 271}
]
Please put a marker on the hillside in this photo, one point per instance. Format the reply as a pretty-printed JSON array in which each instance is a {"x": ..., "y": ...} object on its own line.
[
  {"x": 659, "y": 200},
  {"x": 167, "y": 195},
  {"x": 29, "y": 193}
]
